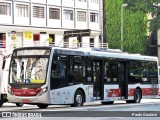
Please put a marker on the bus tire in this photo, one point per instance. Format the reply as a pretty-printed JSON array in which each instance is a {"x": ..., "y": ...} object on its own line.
[
  {"x": 78, "y": 99},
  {"x": 19, "y": 104},
  {"x": 137, "y": 96},
  {"x": 107, "y": 103},
  {"x": 1, "y": 103},
  {"x": 42, "y": 106}
]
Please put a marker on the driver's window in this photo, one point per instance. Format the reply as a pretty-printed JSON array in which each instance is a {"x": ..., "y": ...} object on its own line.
[{"x": 54, "y": 67}]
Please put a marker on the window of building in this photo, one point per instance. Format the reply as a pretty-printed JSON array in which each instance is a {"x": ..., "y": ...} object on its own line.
[
  {"x": 81, "y": 16},
  {"x": 91, "y": 42},
  {"x": 36, "y": 37},
  {"x": 22, "y": 10},
  {"x": 94, "y": 17},
  {"x": 5, "y": 8},
  {"x": 3, "y": 40},
  {"x": 38, "y": 12},
  {"x": 68, "y": 14},
  {"x": 94, "y": 1},
  {"x": 52, "y": 42},
  {"x": 54, "y": 13}
]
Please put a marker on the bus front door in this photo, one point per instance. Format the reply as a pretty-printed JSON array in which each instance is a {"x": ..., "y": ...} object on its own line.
[
  {"x": 123, "y": 84},
  {"x": 97, "y": 80}
]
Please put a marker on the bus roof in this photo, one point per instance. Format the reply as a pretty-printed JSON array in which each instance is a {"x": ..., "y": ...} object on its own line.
[
  {"x": 111, "y": 53},
  {"x": 97, "y": 52}
]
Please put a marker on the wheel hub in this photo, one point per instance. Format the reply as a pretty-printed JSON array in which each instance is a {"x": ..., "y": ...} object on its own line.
[{"x": 79, "y": 99}]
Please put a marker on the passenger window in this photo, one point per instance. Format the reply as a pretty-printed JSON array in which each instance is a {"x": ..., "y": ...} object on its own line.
[
  {"x": 59, "y": 67},
  {"x": 89, "y": 70},
  {"x": 110, "y": 72},
  {"x": 143, "y": 71},
  {"x": 77, "y": 69}
]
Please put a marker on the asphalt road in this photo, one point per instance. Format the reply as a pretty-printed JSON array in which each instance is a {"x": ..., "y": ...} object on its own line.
[{"x": 146, "y": 110}]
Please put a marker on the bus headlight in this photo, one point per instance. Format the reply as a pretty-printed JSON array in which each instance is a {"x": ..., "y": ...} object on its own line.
[
  {"x": 10, "y": 91},
  {"x": 42, "y": 91}
]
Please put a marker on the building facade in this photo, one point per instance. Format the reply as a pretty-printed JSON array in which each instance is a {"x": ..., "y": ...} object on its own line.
[{"x": 34, "y": 22}]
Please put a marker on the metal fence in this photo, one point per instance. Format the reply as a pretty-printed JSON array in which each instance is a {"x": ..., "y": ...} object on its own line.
[{"x": 17, "y": 44}]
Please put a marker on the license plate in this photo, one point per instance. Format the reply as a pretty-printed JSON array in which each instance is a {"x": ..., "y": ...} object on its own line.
[{"x": 25, "y": 101}]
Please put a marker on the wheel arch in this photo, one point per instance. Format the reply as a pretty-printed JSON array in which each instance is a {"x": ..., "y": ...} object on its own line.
[{"x": 81, "y": 89}]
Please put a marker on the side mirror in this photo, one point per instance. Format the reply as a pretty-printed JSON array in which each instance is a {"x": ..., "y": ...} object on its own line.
[{"x": 3, "y": 66}]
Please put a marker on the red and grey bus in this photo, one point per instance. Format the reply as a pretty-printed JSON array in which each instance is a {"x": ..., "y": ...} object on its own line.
[{"x": 47, "y": 75}]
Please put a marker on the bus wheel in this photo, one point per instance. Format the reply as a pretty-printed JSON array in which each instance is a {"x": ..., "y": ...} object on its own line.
[
  {"x": 78, "y": 99},
  {"x": 107, "y": 103},
  {"x": 19, "y": 104},
  {"x": 42, "y": 106},
  {"x": 1, "y": 103},
  {"x": 137, "y": 96}
]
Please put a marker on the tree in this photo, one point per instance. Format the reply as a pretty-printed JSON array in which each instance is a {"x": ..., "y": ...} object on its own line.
[
  {"x": 135, "y": 27},
  {"x": 149, "y": 7}
]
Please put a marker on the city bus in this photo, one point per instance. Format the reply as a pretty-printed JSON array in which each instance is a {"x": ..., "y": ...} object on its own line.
[{"x": 48, "y": 75}]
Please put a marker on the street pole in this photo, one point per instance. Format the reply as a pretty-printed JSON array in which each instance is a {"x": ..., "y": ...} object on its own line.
[
  {"x": 122, "y": 22},
  {"x": 104, "y": 25}
]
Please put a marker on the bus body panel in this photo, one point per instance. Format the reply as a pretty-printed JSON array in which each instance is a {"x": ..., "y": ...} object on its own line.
[
  {"x": 66, "y": 95},
  {"x": 110, "y": 92},
  {"x": 58, "y": 96},
  {"x": 29, "y": 99}
]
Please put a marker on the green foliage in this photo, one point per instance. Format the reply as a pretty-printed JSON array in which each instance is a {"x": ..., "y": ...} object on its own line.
[
  {"x": 147, "y": 6},
  {"x": 113, "y": 23},
  {"x": 135, "y": 32},
  {"x": 135, "y": 28}
]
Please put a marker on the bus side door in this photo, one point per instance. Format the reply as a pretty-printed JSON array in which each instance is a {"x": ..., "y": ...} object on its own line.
[
  {"x": 58, "y": 78},
  {"x": 97, "y": 79},
  {"x": 123, "y": 77}
]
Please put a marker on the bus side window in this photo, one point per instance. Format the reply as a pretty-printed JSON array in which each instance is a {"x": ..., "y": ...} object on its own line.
[
  {"x": 110, "y": 73},
  {"x": 106, "y": 77},
  {"x": 89, "y": 70},
  {"x": 76, "y": 68},
  {"x": 135, "y": 72},
  {"x": 59, "y": 67},
  {"x": 62, "y": 68}
]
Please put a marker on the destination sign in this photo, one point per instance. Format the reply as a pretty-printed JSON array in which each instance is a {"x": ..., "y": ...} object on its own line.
[{"x": 31, "y": 52}]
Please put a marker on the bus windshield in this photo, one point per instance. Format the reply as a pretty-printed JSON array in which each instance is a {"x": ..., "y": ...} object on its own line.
[{"x": 28, "y": 69}]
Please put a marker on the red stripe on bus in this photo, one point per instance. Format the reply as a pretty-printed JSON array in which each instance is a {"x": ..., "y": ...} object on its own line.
[
  {"x": 145, "y": 91},
  {"x": 25, "y": 92},
  {"x": 114, "y": 93}
]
